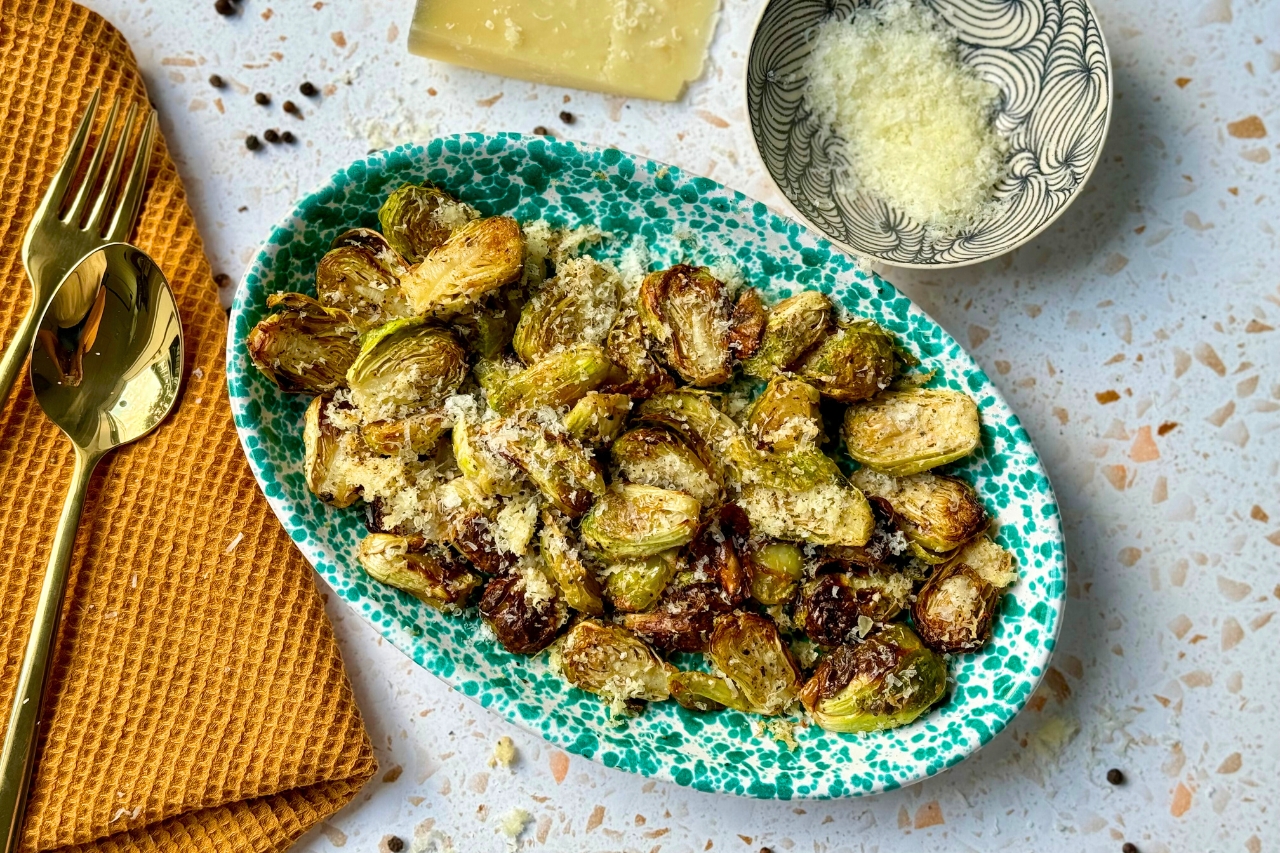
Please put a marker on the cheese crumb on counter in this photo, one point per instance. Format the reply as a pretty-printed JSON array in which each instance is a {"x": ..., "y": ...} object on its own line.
[
  {"x": 513, "y": 824},
  {"x": 916, "y": 122},
  {"x": 504, "y": 753}
]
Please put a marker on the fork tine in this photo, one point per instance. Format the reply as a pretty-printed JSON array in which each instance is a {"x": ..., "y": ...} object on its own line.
[
  {"x": 97, "y": 214},
  {"x": 57, "y": 191},
  {"x": 131, "y": 196},
  {"x": 81, "y": 199}
]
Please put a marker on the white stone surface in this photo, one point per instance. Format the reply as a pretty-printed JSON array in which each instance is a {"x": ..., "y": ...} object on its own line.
[{"x": 1137, "y": 339}]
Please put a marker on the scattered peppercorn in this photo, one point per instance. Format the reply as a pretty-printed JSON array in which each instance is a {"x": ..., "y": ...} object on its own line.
[
  {"x": 288, "y": 138},
  {"x": 289, "y": 107},
  {"x": 1129, "y": 847},
  {"x": 222, "y": 280},
  {"x": 216, "y": 81},
  {"x": 224, "y": 7},
  {"x": 1115, "y": 777},
  {"x": 395, "y": 844},
  {"x": 271, "y": 135},
  {"x": 766, "y": 850},
  {"x": 262, "y": 98},
  {"x": 252, "y": 143},
  {"x": 541, "y": 131},
  {"x": 567, "y": 117},
  {"x": 309, "y": 89}
]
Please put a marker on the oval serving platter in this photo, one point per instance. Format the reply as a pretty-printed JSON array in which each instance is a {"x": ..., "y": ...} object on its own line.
[{"x": 679, "y": 218}]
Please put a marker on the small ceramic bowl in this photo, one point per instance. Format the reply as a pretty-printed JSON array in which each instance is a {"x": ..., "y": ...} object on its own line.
[{"x": 1048, "y": 59}]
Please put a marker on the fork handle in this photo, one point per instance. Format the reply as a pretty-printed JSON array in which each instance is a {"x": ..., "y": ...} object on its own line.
[
  {"x": 18, "y": 756},
  {"x": 15, "y": 355}
]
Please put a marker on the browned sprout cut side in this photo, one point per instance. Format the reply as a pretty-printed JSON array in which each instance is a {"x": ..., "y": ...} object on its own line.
[
  {"x": 955, "y": 608},
  {"x": 855, "y": 363},
  {"x": 635, "y": 372},
  {"x": 560, "y": 379},
  {"x": 564, "y": 561},
  {"x": 406, "y": 363},
  {"x": 480, "y": 257},
  {"x": 578, "y": 306},
  {"x": 633, "y": 585},
  {"x": 883, "y": 682},
  {"x": 936, "y": 513},
  {"x": 630, "y": 520},
  {"x": 703, "y": 692},
  {"x": 683, "y": 622},
  {"x": 901, "y": 433},
  {"x": 361, "y": 275},
  {"x": 613, "y": 663},
  {"x": 323, "y": 454},
  {"x": 598, "y": 418},
  {"x": 840, "y": 607},
  {"x": 305, "y": 347},
  {"x": 418, "y": 434},
  {"x": 709, "y": 432},
  {"x": 831, "y": 514},
  {"x": 687, "y": 313},
  {"x": 785, "y": 416},
  {"x": 562, "y": 469},
  {"x": 523, "y": 610},
  {"x": 775, "y": 570},
  {"x": 717, "y": 551},
  {"x": 746, "y": 324},
  {"x": 417, "y": 219},
  {"x": 794, "y": 325},
  {"x": 430, "y": 573},
  {"x": 749, "y": 650},
  {"x": 654, "y": 456}
]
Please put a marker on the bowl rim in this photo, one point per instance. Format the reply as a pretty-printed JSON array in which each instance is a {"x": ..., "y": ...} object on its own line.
[
  {"x": 397, "y": 635},
  {"x": 750, "y": 113}
]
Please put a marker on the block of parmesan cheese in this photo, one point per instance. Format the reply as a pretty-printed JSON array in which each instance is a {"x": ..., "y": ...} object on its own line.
[{"x": 638, "y": 48}]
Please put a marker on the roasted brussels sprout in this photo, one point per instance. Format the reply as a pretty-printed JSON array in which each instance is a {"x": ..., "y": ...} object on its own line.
[
  {"x": 832, "y": 514},
  {"x": 993, "y": 563},
  {"x": 746, "y": 325},
  {"x": 936, "y": 513},
  {"x": 480, "y": 449},
  {"x": 905, "y": 432},
  {"x": 631, "y": 520},
  {"x": 855, "y": 363},
  {"x": 361, "y": 275},
  {"x": 578, "y": 306},
  {"x": 560, "y": 379},
  {"x": 305, "y": 347},
  {"x": 473, "y": 533},
  {"x": 323, "y": 452},
  {"x": 523, "y": 610},
  {"x": 785, "y": 416},
  {"x": 686, "y": 311},
  {"x": 887, "y": 540},
  {"x": 708, "y": 431},
  {"x": 481, "y": 256},
  {"x": 493, "y": 373},
  {"x": 610, "y": 661},
  {"x": 684, "y": 620},
  {"x": 749, "y": 651},
  {"x": 417, "y": 219},
  {"x": 563, "y": 559},
  {"x": 795, "y": 324},
  {"x": 487, "y": 328},
  {"x": 885, "y": 681},
  {"x": 561, "y": 468},
  {"x": 406, "y": 363},
  {"x": 954, "y": 609},
  {"x": 717, "y": 550},
  {"x": 635, "y": 372},
  {"x": 632, "y": 585},
  {"x": 839, "y": 607},
  {"x": 775, "y": 570},
  {"x": 655, "y": 456},
  {"x": 430, "y": 573},
  {"x": 701, "y": 691},
  {"x": 418, "y": 433},
  {"x": 598, "y": 418}
]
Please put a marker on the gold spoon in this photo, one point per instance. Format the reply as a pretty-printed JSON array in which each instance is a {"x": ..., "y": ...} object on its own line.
[{"x": 106, "y": 367}]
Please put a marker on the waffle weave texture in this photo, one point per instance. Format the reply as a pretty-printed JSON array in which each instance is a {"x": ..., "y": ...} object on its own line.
[{"x": 198, "y": 700}]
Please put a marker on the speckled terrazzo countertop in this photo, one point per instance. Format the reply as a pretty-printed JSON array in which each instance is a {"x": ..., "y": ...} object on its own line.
[{"x": 1139, "y": 340}]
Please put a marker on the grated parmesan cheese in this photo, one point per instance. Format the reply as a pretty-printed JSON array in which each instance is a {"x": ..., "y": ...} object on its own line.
[
  {"x": 504, "y": 753},
  {"x": 513, "y": 824}
]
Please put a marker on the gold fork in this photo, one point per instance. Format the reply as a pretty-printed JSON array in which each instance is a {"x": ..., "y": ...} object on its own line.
[{"x": 68, "y": 227}]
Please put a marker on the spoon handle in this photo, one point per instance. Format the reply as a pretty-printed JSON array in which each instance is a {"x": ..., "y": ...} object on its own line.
[
  {"x": 15, "y": 355},
  {"x": 18, "y": 756}
]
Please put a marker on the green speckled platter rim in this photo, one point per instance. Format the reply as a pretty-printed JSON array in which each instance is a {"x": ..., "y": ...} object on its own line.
[{"x": 679, "y": 217}]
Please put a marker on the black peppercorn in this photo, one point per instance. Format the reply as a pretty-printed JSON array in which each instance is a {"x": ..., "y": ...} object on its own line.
[
  {"x": 1129, "y": 847},
  {"x": 224, "y": 7},
  {"x": 288, "y": 137},
  {"x": 309, "y": 89},
  {"x": 541, "y": 131},
  {"x": 567, "y": 117},
  {"x": 222, "y": 280},
  {"x": 216, "y": 81},
  {"x": 262, "y": 98},
  {"x": 252, "y": 143},
  {"x": 395, "y": 844},
  {"x": 271, "y": 135},
  {"x": 1114, "y": 776},
  {"x": 289, "y": 107}
]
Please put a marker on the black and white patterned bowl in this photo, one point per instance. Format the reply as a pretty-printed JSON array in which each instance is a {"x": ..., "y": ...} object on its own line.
[{"x": 1051, "y": 65}]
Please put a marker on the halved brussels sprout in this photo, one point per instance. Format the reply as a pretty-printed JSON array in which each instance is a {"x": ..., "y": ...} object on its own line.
[
  {"x": 630, "y": 520},
  {"x": 840, "y": 608},
  {"x": 633, "y": 585},
  {"x": 747, "y": 323},
  {"x": 785, "y": 416},
  {"x": 560, "y": 379},
  {"x": 833, "y": 514},
  {"x": 887, "y": 540},
  {"x": 523, "y": 609},
  {"x": 305, "y": 347},
  {"x": 708, "y": 431},
  {"x": 635, "y": 373},
  {"x": 493, "y": 373},
  {"x": 701, "y": 691},
  {"x": 323, "y": 452},
  {"x": 473, "y": 533},
  {"x": 481, "y": 256},
  {"x": 798, "y": 470},
  {"x": 655, "y": 456},
  {"x": 684, "y": 620},
  {"x": 611, "y": 662},
  {"x": 418, "y": 433},
  {"x": 937, "y": 513},
  {"x": 795, "y": 324},
  {"x": 598, "y": 418},
  {"x": 775, "y": 570},
  {"x": 431, "y": 574},
  {"x": 855, "y": 363},
  {"x": 561, "y": 468},
  {"x": 487, "y": 328},
  {"x": 563, "y": 560},
  {"x": 749, "y": 650},
  {"x": 993, "y": 563},
  {"x": 885, "y": 681},
  {"x": 686, "y": 311},
  {"x": 361, "y": 275},
  {"x": 901, "y": 433},
  {"x": 954, "y": 609},
  {"x": 406, "y": 363},
  {"x": 417, "y": 219},
  {"x": 479, "y": 449},
  {"x": 717, "y": 550},
  {"x": 578, "y": 306}
]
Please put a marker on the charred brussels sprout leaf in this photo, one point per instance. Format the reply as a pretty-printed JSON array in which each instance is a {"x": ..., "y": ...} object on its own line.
[
  {"x": 954, "y": 609},
  {"x": 905, "y": 432},
  {"x": 749, "y": 651},
  {"x": 855, "y": 363},
  {"x": 418, "y": 219},
  {"x": 523, "y": 610},
  {"x": 775, "y": 570},
  {"x": 417, "y": 434},
  {"x": 886, "y": 681},
  {"x": 701, "y": 691},
  {"x": 406, "y": 363},
  {"x": 683, "y": 622},
  {"x": 557, "y": 380},
  {"x": 936, "y": 513},
  {"x": 611, "y": 662},
  {"x": 639, "y": 521},
  {"x": 835, "y": 608},
  {"x": 785, "y": 416},
  {"x": 794, "y": 325},
  {"x": 480, "y": 257},
  {"x": 598, "y": 418},
  {"x": 654, "y": 456},
  {"x": 635, "y": 372},
  {"x": 563, "y": 559},
  {"x": 686, "y": 311},
  {"x": 305, "y": 347},
  {"x": 430, "y": 573},
  {"x": 746, "y": 325},
  {"x": 578, "y": 306},
  {"x": 717, "y": 551},
  {"x": 323, "y": 452},
  {"x": 634, "y": 585},
  {"x": 561, "y": 468},
  {"x": 361, "y": 275}
]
